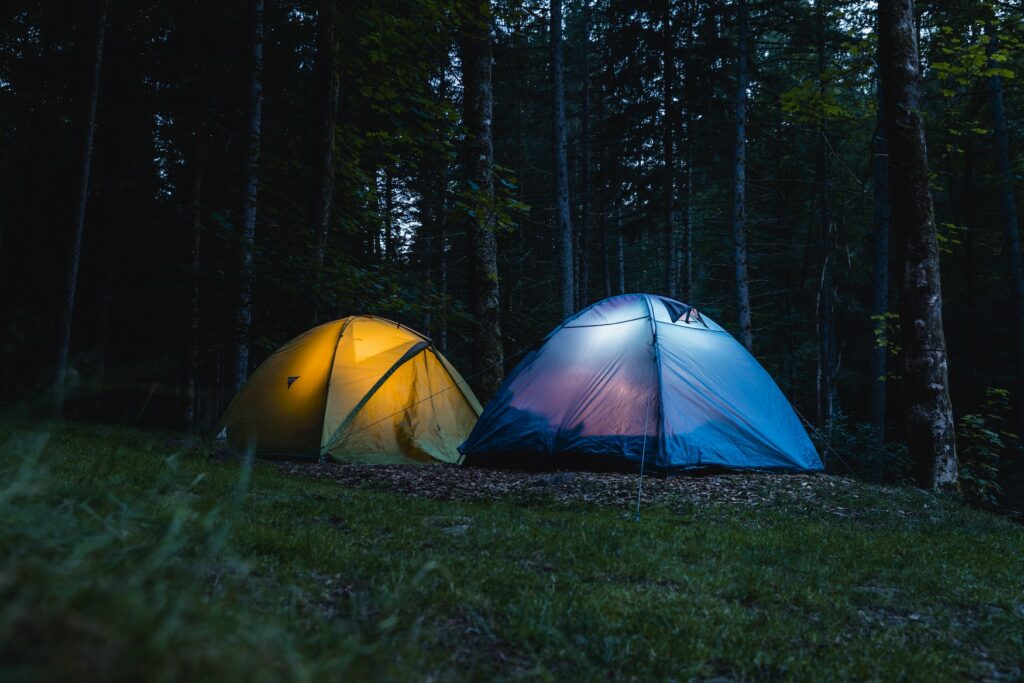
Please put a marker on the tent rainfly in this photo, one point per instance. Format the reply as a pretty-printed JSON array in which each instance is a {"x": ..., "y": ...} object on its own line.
[
  {"x": 360, "y": 389},
  {"x": 640, "y": 377}
]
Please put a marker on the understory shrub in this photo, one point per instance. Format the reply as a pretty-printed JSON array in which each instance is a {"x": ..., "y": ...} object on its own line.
[
  {"x": 982, "y": 445},
  {"x": 850, "y": 447}
]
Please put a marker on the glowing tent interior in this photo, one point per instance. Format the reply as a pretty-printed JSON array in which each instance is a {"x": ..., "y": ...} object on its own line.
[
  {"x": 359, "y": 389},
  {"x": 640, "y": 377}
]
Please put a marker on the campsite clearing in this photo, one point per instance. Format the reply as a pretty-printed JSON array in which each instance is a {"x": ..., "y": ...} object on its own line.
[{"x": 124, "y": 554}]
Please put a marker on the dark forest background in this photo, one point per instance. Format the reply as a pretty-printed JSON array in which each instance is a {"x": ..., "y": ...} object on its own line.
[{"x": 365, "y": 193}]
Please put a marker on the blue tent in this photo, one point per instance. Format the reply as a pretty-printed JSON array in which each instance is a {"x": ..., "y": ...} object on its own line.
[{"x": 640, "y": 377}]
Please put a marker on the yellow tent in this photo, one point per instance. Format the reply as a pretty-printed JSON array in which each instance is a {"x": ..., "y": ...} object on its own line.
[{"x": 360, "y": 389}]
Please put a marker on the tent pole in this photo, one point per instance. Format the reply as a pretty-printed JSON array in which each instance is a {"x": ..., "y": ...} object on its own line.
[{"x": 647, "y": 410}]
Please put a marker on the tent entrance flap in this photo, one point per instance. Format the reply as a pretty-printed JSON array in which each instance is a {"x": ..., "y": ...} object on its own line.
[{"x": 346, "y": 422}]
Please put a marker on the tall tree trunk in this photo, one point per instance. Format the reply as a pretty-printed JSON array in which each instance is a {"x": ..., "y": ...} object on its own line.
[
  {"x": 668, "y": 151},
  {"x": 243, "y": 316},
  {"x": 602, "y": 212},
  {"x": 602, "y": 198},
  {"x": 442, "y": 245},
  {"x": 621, "y": 252},
  {"x": 563, "y": 219},
  {"x": 970, "y": 270},
  {"x": 584, "y": 241},
  {"x": 475, "y": 47},
  {"x": 668, "y": 77},
  {"x": 325, "y": 114},
  {"x": 739, "y": 204},
  {"x": 929, "y": 422},
  {"x": 686, "y": 266},
  {"x": 879, "y": 281},
  {"x": 433, "y": 202},
  {"x": 826, "y": 385},
  {"x": 1011, "y": 227},
  {"x": 192, "y": 372},
  {"x": 78, "y": 225}
]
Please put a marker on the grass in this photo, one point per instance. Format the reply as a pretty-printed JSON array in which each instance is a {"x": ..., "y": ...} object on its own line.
[{"x": 125, "y": 560}]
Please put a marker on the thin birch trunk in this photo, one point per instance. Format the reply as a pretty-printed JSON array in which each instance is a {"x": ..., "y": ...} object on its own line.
[{"x": 78, "y": 224}]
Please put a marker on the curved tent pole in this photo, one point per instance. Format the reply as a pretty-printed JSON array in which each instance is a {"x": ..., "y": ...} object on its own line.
[
  {"x": 459, "y": 382},
  {"x": 413, "y": 351},
  {"x": 453, "y": 385},
  {"x": 398, "y": 325}
]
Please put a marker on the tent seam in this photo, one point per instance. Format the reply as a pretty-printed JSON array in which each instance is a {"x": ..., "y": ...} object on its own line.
[
  {"x": 657, "y": 369},
  {"x": 327, "y": 386}
]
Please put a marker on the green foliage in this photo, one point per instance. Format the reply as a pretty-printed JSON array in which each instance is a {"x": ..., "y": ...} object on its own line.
[
  {"x": 887, "y": 332},
  {"x": 982, "y": 441},
  {"x": 499, "y": 211},
  {"x": 851, "y": 447},
  {"x": 949, "y": 236},
  {"x": 810, "y": 102}
]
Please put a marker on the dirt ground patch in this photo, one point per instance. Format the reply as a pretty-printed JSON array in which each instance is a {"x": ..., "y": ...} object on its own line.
[{"x": 618, "y": 489}]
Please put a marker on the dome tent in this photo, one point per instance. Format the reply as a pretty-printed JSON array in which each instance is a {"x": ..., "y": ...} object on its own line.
[
  {"x": 640, "y": 377},
  {"x": 359, "y": 389}
]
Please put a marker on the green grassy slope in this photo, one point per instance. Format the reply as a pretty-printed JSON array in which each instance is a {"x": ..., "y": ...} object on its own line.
[{"x": 124, "y": 560}]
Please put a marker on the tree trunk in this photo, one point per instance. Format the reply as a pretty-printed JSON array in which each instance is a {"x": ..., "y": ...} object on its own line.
[
  {"x": 602, "y": 198},
  {"x": 687, "y": 247},
  {"x": 192, "y": 372},
  {"x": 929, "y": 421},
  {"x": 243, "y": 317},
  {"x": 621, "y": 252},
  {"x": 826, "y": 385},
  {"x": 739, "y": 206},
  {"x": 325, "y": 110},
  {"x": 103, "y": 332},
  {"x": 433, "y": 209},
  {"x": 970, "y": 268},
  {"x": 1011, "y": 228},
  {"x": 390, "y": 238},
  {"x": 668, "y": 152},
  {"x": 668, "y": 78},
  {"x": 475, "y": 50},
  {"x": 686, "y": 266},
  {"x": 78, "y": 225},
  {"x": 879, "y": 281},
  {"x": 442, "y": 245},
  {"x": 584, "y": 241},
  {"x": 563, "y": 220}
]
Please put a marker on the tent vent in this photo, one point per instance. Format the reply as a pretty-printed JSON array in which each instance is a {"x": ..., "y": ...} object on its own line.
[{"x": 291, "y": 380}]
